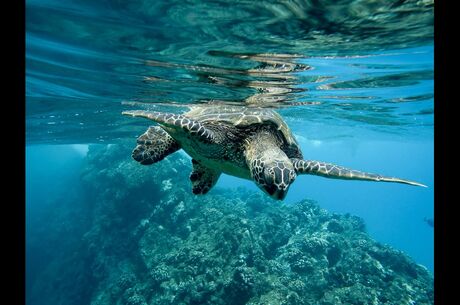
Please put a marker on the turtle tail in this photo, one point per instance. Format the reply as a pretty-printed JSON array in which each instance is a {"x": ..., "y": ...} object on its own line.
[{"x": 329, "y": 170}]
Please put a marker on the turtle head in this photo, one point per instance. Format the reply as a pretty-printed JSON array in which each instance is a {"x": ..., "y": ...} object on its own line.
[
  {"x": 274, "y": 177},
  {"x": 270, "y": 167}
]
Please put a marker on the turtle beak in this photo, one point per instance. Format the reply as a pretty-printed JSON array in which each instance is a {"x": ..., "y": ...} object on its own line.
[
  {"x": 276, "y": 193},
  {"x": 279, "y": 194}
]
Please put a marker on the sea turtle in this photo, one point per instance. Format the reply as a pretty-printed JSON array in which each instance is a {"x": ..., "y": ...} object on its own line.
[{"x": 250, "y": 143}]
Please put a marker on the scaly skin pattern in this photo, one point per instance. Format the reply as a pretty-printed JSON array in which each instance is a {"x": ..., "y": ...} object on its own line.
[
  {"x": 270, "y": 167},
  {"x": 250, "y": 144},
  {"x": 202, "y": 178},
  {"x": 213, "y": 144},
  {"x": 154, "y": 145},
  {"x": 334, "y": 171},
  {"x": 176, "y": 122}
]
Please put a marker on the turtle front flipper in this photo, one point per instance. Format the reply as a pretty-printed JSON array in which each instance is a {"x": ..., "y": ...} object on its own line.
[
  {"x": 329, "y": 170},
  {"x": 176, "y": 122},
  {"x": 154, "y": 145},
  {"x": 203, "y": 178}
]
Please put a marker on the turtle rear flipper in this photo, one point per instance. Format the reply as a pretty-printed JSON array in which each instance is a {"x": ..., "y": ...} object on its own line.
[
  {"x": 154, "y": 145},
  {"x": 329, "y": 170},
  {"x": 203, "y": 178}
]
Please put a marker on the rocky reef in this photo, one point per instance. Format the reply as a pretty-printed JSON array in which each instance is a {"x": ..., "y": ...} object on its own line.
[{"x": 149, "y": 240}]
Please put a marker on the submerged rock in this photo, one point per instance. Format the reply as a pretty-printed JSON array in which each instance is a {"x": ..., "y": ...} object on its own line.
[{"x": 153, "y": 242}]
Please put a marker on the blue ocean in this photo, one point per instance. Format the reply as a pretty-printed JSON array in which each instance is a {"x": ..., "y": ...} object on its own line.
[{"x": 113, "y": 217}]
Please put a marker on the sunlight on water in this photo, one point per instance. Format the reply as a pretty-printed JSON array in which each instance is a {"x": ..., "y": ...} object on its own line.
[
  {"x": 343, "y": 61},
  {"x": 81, "y": 149}
]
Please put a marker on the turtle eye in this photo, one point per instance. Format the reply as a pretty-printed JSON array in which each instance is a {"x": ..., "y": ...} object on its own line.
[{"x": 292, "y": 175}]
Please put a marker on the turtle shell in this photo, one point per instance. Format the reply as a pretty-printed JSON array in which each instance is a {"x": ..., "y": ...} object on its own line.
[{"x": 245, "y": 117}]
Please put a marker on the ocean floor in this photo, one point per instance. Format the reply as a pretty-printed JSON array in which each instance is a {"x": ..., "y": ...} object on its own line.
[{"x": 132, "y": 234}]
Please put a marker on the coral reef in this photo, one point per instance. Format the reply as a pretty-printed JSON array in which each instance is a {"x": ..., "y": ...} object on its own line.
[{"x": 151, "y": 241}]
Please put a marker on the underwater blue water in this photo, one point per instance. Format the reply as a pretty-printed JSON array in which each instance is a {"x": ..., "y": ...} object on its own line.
[{"x": 366, "y": 100}]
